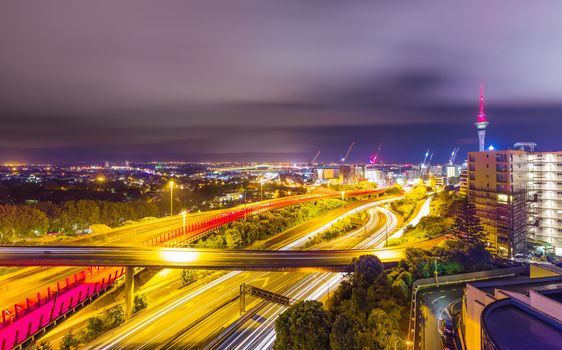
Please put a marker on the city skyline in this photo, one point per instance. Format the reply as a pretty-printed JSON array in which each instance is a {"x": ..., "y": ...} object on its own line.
[{"x": 272, "y": 81}]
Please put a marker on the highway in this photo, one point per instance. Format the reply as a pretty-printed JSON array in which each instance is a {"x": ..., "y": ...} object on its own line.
[
  {"x": 297, "y": 286},
  {"x": 25, "y": 283},
  {"x": 258, "y": 331},
  {"x": 212, "y": 302},
  {"x": 36, "y": 284},
  {"x": 424, "y": 211}
]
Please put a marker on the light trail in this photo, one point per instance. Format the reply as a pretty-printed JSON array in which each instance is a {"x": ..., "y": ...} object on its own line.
[
  {"x": 424, "y": 211},
  {"x": 115, "y": 340},
  {"x": 299, "y": 242},
  {"x": 263, "y": 336}
]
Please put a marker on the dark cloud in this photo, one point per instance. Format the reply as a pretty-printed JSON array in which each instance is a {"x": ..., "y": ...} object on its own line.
[{"x": 259, "y": 80}]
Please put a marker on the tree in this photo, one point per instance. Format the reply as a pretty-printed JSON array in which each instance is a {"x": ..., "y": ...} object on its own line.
[
  {"x": 187, "y": 276},
  {"x": 114, "y": 317},
  {"x": 382, "y": 330},
  {"x": 466, "y": 226},
  {"x": 367, "y": 270},
  {"x": 43, "y": 345},
  {"x": 140, "y": 302},
  {"x": 304, "y": 325},
  {"x": 69, "y": 341},
  {"x": 95, "y": 326},
  {"x": 343, "y": 335}
]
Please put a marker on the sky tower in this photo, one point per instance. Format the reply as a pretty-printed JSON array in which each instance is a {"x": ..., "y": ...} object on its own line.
[{"x": 481, "y": 122}]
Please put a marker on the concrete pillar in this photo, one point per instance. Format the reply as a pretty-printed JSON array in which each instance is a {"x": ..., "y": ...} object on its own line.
[
  {"x": 129, "y": 290},
  {"x": 242, "y": 298}
]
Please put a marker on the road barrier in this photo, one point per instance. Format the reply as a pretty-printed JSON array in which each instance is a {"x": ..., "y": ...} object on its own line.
[{"x": 46, "y": 312}]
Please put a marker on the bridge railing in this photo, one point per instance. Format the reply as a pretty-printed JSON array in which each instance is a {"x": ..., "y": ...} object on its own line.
[{"x": 48, "y": 311}]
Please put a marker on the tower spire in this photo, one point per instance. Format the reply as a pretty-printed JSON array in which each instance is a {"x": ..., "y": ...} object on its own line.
[
  {"x": 481, "y": 114},
  {"x": 481, "y": 121},
  {"x": 481, "y": 98}
]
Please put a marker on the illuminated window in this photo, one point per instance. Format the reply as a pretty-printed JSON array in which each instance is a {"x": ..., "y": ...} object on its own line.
[{"x": 502, "y": 198}]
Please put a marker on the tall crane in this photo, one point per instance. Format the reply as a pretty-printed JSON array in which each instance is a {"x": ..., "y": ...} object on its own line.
[
  {"x": 429, "y": 160},
  {"x": 315, "y": 157},
  {"x": 423, "y": 164},
  {"x": 375, "y": 157},
  {"x": 453, "y": 155},
  {"x": 348, "y": 152}
]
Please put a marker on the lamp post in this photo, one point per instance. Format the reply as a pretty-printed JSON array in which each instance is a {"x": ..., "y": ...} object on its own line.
[
  {"x": 435, "y": 272},
  {"x": 171, "y": 197},
  {"x": 342, "y": 194},
  {"x": 183, "y": 213},
  {"x": 407, "y": 342},
  {"x": 261, "y": 190}
]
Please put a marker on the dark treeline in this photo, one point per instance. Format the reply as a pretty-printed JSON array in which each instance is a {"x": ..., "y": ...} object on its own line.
[
  {"x": 16, "y": 192},
  {"x": 18, "y": 222}
]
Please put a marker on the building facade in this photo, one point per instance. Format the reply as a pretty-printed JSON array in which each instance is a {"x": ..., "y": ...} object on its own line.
[
  {"x": 545, "y": 209},
  {"x": 497, "y": 185},
  {"x": 518, "y": 198}
]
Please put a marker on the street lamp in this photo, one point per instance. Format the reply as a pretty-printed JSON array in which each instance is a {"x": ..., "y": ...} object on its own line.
[
  {"x": 171, "y": 197},
  {"x": 183, "y": 213},
  {"x": 407, "y": 342},
  {"x": 261, "y": 190}
]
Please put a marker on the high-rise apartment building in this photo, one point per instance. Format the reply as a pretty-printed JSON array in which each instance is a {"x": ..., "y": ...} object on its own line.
[
  {"x": 497, "y": 185},
  {"x": 545, "y": 209},
  {"x": 518, "y": 198}
]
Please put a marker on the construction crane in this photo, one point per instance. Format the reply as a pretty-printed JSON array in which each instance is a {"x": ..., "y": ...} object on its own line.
[
  {"x": 429, "y": 160},
  {"x": 348, "y": 152},
  {"x": 453, "y": 156},
  {"x": 423, "y": 164},
  {"x": 374, "y": 158},
  {"x": 315, "y": 157}
]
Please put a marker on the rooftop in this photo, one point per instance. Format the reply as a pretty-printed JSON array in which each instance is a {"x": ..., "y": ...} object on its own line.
[{"x": 513, "y": 325}]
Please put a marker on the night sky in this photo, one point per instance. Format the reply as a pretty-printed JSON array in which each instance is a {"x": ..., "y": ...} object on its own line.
[{"x": 274, "y": 80}]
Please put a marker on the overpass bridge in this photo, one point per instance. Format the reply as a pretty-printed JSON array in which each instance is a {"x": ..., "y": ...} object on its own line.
[{"x": 208, "y": 259}]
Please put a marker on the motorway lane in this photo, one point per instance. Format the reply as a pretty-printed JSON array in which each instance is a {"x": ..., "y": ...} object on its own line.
[
  {"x": 192, "y": 306},
  {"x": 297, "y": 286},
  {"x": 259, "y": 331},
  {"x": 424, "y": 211},
  {"x": 358, "y": 238},
  {"x": 354, "y": 237},
  {"x": 209, "y": 323},
  {"x": 261, "y": 335},
  {"x": 311, "y": 228}
]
